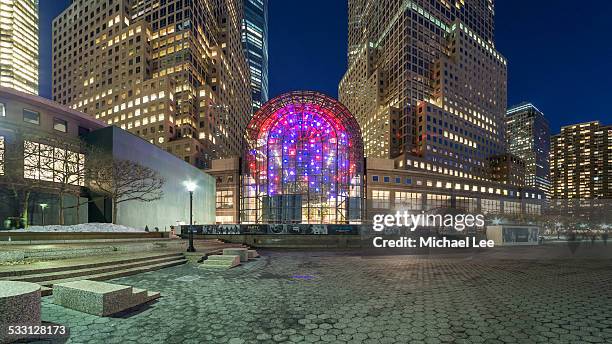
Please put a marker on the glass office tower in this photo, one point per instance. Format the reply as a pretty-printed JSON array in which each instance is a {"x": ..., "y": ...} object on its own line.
[{"x": 255, "y": 43}]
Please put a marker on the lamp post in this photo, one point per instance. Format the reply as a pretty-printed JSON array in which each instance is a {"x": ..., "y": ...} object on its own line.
[
  {"x": 43, "y": 206},
  {"x": 190, "y": 186}
]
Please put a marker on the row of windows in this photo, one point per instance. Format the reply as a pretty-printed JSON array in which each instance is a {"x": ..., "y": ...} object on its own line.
[{"x": 381, "y": 199}]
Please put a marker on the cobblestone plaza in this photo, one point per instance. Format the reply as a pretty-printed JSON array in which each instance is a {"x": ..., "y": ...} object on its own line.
[{"x": 518, "y": 295}]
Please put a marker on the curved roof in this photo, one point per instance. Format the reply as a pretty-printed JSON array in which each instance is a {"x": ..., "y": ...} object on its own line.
[{"x": 304, "y": 101}]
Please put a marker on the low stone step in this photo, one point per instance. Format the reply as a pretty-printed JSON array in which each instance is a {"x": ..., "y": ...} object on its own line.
[
  {"x": 81, "y": 263},
  {"x": 252, "y": 254},
  {"x": 237, "y": 251},
  {"x": 92, "y": 271},
  {"x": 221, "y": 262},
  {"x": 98, "y": 298},
  {"x": 153, "y": 295},
  {"x": 118, "y": 273},
  {"x": 139, "y": 294}
]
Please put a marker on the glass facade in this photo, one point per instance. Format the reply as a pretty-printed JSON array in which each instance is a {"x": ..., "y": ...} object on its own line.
[
  {"x": 255, "y": 43},
  {"x": 19, "y": 45},
  {"x": 304, "y": 163},
  {"x": 528, "y": 135}
]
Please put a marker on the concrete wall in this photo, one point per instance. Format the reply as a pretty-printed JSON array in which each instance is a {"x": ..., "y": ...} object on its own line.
[{"x": 174, "y": 206}]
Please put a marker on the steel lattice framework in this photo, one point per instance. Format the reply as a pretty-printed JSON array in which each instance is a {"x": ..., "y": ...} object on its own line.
[{"x": 304, "y": 163}]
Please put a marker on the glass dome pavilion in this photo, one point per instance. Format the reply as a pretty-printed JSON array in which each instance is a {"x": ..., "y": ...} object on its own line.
[{"x": 304, "y": 162}]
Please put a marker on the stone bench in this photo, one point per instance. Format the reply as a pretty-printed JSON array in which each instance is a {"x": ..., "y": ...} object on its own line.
[
  {"x": 19, "y": 306},
  {"x": 252, "y": 254},
  {"x": 221, "y": 261},
  {"x": 99, "y": 298},
  {"x": 237, "y": 251}
]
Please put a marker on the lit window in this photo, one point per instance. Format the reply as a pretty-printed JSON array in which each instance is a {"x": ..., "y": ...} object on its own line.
[
  {"x": 225, "y": 199},
  {"x": 60, "y": 125},
  {"x": 1, "y": 155},
  {"x": 2, "y": 110},
  {"x": 380, "y": 199},
  {"x": 30, "y": 116}
]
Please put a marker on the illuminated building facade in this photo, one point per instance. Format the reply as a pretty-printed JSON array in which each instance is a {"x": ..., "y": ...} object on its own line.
[
  {"x": 19, "y": 45},
  {"x": 528, "y": 136},
  {"x": 426, "y": 84},
  {"x": 580, "y": 162},
  {"x": 255, "y": 42},
  {"x": 507, "y": 169},
  {"x": 304, "y": 162},
  {"x": 173, "y": 72},
  {"x": 44, "y": 153}
]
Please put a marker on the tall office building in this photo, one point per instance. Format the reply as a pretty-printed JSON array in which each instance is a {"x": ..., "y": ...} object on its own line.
[
  {"x": 528, "y": 136},
  {"x": 426, "y": 83},
  {"x": 580, "y": 162},
  {"x": 171, "y": 71},
  {"x": 255, "y": 43},
  {"x": 19, "y": 45}
]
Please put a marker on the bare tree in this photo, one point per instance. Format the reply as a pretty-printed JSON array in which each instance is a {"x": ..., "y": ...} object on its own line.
[
  {"x": 19, "y": 181},
  {"x": 124, "y": 181}
]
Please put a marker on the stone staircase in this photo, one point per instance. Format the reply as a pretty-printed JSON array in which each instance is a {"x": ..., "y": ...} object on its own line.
[{"x": 95, "y": 269}]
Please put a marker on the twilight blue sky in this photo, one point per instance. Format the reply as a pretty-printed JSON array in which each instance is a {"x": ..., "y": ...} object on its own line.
[{"x": 559, "y": 54}]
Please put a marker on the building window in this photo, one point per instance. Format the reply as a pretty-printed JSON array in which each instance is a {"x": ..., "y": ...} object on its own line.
[
  {"x": 512, "y": 207},
  {"x": 83, "y": 131},
  {"x": 1, "y": 155},
  {"x": 60, "y": 125},
  {"x": 489, "y": 206},
  {"x": 438, "y": 202},
  {"x": 386, "y": 179},
  {"x": 52, "y": 164},
  {"x": 225, "y": 199},
  {"x": 30, "y": 116},
  {"x": 224, "y": 219},
  {"x": 468, "y": 204},
  {"x": 2, "y": 110},
  {"x": 380, "y": 199},
  {"x": 407, "y": 201},
  {"x": 408, "y": 181},
  {"x": 374, "y": 178},
  {"x": 533, "y": 209}
]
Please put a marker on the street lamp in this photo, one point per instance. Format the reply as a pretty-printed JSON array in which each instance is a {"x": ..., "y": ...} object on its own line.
[
  {"x": 190, "y": 186},
  {"x": 43, "y": 206}
]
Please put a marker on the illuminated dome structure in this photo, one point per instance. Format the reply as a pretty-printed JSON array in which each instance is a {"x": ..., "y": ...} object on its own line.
[{"x": 304, "y": 162}]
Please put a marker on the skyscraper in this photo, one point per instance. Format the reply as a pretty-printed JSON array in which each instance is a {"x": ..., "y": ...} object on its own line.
[
  {"x": 426, "y": 83},
  {"x": 580, "y": 159},
  {"x": 19, "y": 45},
  {"x": 171, "y": 71},
  {"x": 528, "y": 137},
  {"x": 255, "y": 43}
]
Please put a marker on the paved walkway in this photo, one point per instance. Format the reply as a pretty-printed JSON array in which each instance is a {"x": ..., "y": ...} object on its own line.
[{"x": 346, "y": 298}]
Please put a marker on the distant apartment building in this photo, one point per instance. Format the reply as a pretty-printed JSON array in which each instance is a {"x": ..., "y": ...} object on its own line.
[
  {"x": 580, "y": 161},
  {"x": 528, "y": 136},
  {"x": 173, "y": 72},
  {"x": 255, "y": 43},
  {"x": 19, "y": 45},
  {"x": 426, "y": 84}
]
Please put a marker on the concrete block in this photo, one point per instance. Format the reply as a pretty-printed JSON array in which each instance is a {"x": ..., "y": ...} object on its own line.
[
  {"x": 99, "y": 298},
  {"x": 252, "y": 254},
  {"x": 19, "y": 306},
  {"x": 237, "y": 251}
]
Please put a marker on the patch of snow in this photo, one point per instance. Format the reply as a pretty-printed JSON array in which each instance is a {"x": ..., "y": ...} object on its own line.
[{"x": 84, "y": 227}]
